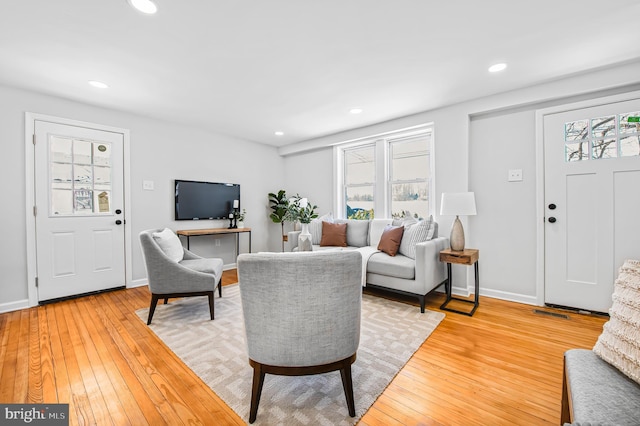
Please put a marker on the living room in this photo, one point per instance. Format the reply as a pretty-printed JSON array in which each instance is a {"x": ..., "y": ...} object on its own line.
[{"x": 476, "y": 142}]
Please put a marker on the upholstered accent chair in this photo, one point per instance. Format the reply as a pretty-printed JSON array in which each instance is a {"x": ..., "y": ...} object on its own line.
[
  {"x": 301, "y": 315},
  {"x": 174, "y": 271}
]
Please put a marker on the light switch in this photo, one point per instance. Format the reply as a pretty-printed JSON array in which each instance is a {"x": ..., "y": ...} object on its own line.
[
  {"x": 147, "y": 185},
  {"x": 515, "y": 175}
]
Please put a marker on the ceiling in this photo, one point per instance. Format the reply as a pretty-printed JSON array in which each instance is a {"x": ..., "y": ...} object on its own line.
[{"x": 248, "y": 68}]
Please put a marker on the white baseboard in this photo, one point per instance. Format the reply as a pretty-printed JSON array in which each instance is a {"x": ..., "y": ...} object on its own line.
[
  {"x": 14, "y": 306},
  {"x": 511, "y": 297},
  {"x": 229, "y": 266},
  {"x": 138, "y": 283}
]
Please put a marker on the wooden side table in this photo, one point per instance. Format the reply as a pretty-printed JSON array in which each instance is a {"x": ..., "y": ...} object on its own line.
[{"x": 464, "y": 257}]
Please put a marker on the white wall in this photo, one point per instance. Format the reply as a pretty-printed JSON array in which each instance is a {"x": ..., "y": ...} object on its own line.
[
  {"x": 476, "y": 143},
  {"x": 160, "y": 152}
]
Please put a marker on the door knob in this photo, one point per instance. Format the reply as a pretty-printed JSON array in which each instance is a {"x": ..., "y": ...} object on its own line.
[
  {"x": 552, "y": 220},
  {"x": 118, "y": 222},
  {"x": 552, "y": 206}
]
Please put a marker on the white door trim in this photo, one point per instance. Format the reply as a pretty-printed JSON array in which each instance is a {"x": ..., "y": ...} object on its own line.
[
  {"x": 540, "y": 210},
  {"x": 29, "y": 125}
]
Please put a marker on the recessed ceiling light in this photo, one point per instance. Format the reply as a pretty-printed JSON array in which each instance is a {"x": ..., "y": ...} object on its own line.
[
  {"x": 144, "y": 6},
  {"x": 98, "y": 84},
  {"x": 279, "y": 133},
  {"x": 497, "y": 67},
  {"x": 355, "y": 110}
]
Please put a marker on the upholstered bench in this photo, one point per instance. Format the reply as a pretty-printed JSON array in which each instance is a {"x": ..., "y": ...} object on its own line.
[
  {"x": 596, "y": 393},
  {"x": 602, "y": 386}
]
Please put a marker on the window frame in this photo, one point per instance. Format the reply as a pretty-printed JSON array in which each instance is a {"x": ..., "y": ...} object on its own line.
[{"x": 382, "y": 158}]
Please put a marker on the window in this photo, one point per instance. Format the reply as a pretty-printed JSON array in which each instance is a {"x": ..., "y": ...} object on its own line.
[
  {"x": 80, "y": 176},
  {"x": 603, "y": 137},
  {"x": 385, "y": 176}
]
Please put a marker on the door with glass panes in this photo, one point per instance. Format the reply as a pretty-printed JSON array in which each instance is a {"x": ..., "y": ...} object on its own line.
[
  {"x": 592, "y": 200},
  {"x": 79, "y": 210}
]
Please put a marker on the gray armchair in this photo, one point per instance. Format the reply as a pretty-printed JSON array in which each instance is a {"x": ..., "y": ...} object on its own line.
[
  {"x": 301, "y": 315},
  {"x": 174, "y": 271}
]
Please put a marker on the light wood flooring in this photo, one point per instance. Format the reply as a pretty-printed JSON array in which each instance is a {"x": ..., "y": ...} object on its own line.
[{"x": 503, "y": 366}]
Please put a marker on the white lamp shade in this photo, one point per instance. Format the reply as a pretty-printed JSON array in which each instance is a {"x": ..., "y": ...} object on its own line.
[{"x": 458, "y": 204}]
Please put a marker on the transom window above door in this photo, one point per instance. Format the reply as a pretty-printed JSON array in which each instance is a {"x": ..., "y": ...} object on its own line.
[
  {"x": 79, "y": 177},
  {"x": 612, "y": 136}
]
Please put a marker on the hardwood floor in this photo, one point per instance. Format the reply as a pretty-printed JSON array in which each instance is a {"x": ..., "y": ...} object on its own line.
[{"x": 501, "y": 366}]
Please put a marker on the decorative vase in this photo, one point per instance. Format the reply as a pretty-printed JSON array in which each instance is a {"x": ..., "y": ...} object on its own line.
[
  {"x": 457, "y": 236},
  {"x": 240, "y": 224},
  {"x": 304, "y": 239}
]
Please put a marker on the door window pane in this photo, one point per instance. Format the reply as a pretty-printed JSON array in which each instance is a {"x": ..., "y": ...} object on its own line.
[
  {"x": 604, "y": 148},
  {"x": 630, "y": 122},
  {"x": 80, "y": 176},
  {"x": 575, "y": 130},
  {"x": 577, "y": 151},
  {"x": 630, "y": 146},
  {"x": 603, "y": 126}
]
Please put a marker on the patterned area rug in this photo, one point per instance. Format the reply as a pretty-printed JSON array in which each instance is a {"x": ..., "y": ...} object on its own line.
[{"x": 216, "y": 351}]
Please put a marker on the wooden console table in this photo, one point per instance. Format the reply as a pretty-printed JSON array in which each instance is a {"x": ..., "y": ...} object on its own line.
[{"x": 216, "y": 231}]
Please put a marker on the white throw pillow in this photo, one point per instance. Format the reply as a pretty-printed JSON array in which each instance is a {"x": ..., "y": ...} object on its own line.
[
  {"x": 170, "y": 244},
  {"x": 315, "y": 227},
  {"x": 407, "y": 220},
  {"x": 414, "y": 234},
  {"x": 376, "y": 228},
  {"x": 619, "y": 344}
]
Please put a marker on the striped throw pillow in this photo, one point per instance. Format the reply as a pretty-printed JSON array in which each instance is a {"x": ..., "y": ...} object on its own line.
[
  {"x": 315, "y": 227},
  {"x": 421, "y": 231}
]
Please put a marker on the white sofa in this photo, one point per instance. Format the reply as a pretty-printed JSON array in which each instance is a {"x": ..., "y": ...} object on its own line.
[{"x": 399, "y": 273}]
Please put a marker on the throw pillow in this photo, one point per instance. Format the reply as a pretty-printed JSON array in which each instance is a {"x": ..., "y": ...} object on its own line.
[
  {"x": 619, "y": 344},
  {"x": 357, "y": 232},
  {"x": 315, "y": 227},
  {"x": 390, "y": 240},
  {"x": 334, "y": 234},
  {"x": 415, "y": 234},
  {"x": 170, "y": 244}
]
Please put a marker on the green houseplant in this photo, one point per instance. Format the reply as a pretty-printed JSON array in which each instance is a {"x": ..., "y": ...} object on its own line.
[{"x": 279, "y": 205}]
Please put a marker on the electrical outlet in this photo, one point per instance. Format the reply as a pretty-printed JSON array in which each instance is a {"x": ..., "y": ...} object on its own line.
[
  {"x": 147, "y": 185},
  {"x": 217, "y": 242},
  {"x": 515, "y": 175}
]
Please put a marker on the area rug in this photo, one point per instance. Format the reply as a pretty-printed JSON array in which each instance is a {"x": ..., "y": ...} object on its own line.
[{"x": 216, "y": 351}]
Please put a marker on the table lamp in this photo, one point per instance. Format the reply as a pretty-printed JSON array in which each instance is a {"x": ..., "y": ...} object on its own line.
[{"x": 457, "y": 203}]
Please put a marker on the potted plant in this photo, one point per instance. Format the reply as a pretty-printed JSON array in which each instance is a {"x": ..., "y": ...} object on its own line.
[
  {"x": 279, "y": 204},
  {"x": 302, "y": 210},
  {"x": 240, "y": 218}
]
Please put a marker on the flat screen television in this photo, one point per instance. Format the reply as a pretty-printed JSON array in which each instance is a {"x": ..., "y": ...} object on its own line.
[{"x": 204, "y": 200}]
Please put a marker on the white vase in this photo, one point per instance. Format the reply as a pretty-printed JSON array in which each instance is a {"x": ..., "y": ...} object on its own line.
[
  {"x": 304, "y": 239},
  {"x": 240, "y": 224}
]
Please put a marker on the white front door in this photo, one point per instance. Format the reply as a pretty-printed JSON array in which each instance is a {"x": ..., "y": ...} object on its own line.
[
  {"x": 80, "y": 245},
  {"x": 592, "y": 201}
]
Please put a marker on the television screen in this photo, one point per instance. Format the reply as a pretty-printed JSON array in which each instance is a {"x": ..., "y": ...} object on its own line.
[{"x": 205, "y": 200}]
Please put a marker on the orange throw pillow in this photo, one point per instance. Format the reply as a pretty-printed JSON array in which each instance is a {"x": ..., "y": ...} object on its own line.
[
  {"x": 334, "y": 234},
  {"x": 390, "y": 239}
]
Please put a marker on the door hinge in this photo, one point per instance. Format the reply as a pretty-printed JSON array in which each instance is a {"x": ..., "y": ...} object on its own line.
[
  {"x": 36, "y": 281},
  {"x": 34, "y": 138},
  {"x": 35, "y": 210}
]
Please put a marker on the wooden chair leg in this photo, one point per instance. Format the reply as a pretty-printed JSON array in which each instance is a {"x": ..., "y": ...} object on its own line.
[
  {"x": 220, "y": 288},
  {"x": 347, "y": 384},
  {"x": 211, "y": 308},
  {"x": 166, "y": 300},
  {"x": 256, "y": 391},
  {"x": 152, "y": 307}
]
